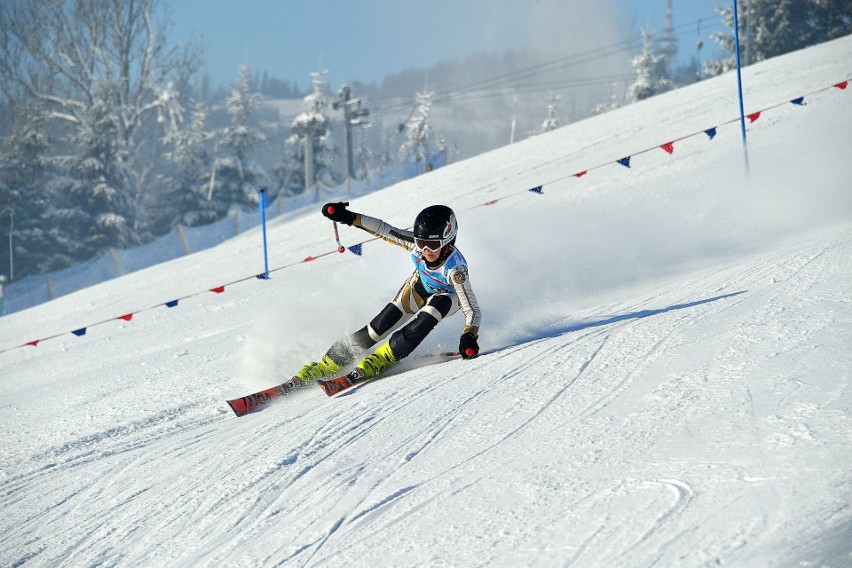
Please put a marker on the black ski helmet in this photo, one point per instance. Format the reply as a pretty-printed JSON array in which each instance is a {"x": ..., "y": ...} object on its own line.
[{"x": 435, "y": 227}]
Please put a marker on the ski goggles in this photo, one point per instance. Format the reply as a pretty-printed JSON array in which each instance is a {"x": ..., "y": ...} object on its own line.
[{"x": 433, "y": 245}]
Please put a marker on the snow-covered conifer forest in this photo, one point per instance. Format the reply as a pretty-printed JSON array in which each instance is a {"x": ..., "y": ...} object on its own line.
[{"x": 110, "y": 136}]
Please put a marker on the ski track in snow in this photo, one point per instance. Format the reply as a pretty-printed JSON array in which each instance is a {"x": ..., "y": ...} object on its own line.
[
  {"x": 693, "y": 411},
  {"x": 553, "y": 387}
]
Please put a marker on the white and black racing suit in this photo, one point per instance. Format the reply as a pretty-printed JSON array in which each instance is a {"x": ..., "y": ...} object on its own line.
[{"x": 430, "y": 294}]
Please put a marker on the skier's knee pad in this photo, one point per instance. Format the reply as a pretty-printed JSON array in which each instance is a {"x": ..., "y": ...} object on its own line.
[
  {"x": 406, "y": 340},
  {"x": 384, "y": 322},
  {"x": 439, "y": 305}
]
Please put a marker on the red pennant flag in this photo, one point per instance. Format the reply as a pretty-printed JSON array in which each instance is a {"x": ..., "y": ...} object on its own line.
[
  {"x": 127, "y": 317},
  {"x": 753, "y": 116},
  {"x": 581, "y": 174},
  {"x": 32, "y": 343},
  {"x": 491, "y": 202},
  {"x": 842, "y": 85},
  {"x": 668, "y": 147},
  {"x": 310, "y": 258},
  {"x": 218, "y": 290}
]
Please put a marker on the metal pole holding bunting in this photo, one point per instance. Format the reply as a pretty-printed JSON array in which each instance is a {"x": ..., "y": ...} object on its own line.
[
  {"x": 262, "y": 205},
  {"x": 740, "y": 83}
]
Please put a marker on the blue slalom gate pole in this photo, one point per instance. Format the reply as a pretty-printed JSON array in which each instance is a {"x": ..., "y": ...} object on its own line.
[
  {"x": 740, "y": 83},
  {"x": 262, "y": 205}
]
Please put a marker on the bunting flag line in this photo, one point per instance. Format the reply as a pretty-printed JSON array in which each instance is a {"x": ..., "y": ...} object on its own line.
[{"x": 357, "y": 249}]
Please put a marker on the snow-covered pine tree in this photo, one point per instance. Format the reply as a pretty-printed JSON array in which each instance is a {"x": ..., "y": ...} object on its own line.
[
  {"x": 774, "y": 27},
  {"x": 102, "y": 75},
  {"x": 551, "y": 122},
  {"x": 612, "y": 102},
  {"x": 363, "y": 156},
  {"x": 388, "y": 156},
  {"x": 289, "y": 174},
  {"x": 24, "y": 176},
  {"x": 648, "y": 82},
  {"x": 97, "y": 211},
  {"x": 238, "y": 177},
  {"x": 417, "y": 146},
  {"x": 313, "y": 126},
  {"x": 189, "y": 201}
]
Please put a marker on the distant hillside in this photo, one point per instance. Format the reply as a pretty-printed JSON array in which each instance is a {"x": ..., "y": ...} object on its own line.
[{"x": 476, "y": 99}]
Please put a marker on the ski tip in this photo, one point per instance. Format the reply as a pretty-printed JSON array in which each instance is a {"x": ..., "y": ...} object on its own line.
[{"x": 238, "y": 406}]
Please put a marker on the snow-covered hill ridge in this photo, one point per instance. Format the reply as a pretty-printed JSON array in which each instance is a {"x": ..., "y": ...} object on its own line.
[{"x": 666, "y": 383}]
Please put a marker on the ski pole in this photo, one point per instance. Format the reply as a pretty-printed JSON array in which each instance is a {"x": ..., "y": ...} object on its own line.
[{"x": 340, "y": 247}]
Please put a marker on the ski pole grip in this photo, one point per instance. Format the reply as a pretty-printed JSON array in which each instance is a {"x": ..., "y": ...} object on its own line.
[{"x": 331, "y": 209}]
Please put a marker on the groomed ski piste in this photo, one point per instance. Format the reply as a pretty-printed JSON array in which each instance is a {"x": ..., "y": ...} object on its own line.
[{"x": 668, "y": 351}]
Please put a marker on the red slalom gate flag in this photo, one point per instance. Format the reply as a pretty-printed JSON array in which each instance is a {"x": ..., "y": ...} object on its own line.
[
  {"x": 842, "y": 85},
  {"x": 668, "y": 147},
  {"x": 218, "y": 289},
  {"x": 753, "y": 116},
  {"x": 126, "y": 317}
]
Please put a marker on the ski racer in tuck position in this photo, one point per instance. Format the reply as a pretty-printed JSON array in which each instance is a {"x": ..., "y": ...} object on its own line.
[{"x": 438, "y": 287}]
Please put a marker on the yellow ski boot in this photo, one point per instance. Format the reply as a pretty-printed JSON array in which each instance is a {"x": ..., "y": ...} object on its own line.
[
  {"x": 377, "y": 363},
  {"x": 369, "y": 368},
  {"x": 322, "y": 369}
]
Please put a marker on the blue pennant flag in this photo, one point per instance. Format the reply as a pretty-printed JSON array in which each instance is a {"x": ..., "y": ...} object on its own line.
[
  {"x": 537, "y": 190},
  {"x": 711, "y": 132},
  {"x": 799, "y": 101},
  {"x": 625, "y": 162},
  {"x": 172, "y": 304},
  {"x": 356, "y": 249},
  {"x": 79, "y": 332}
]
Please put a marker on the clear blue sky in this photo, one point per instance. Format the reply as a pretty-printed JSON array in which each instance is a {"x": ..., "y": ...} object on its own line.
[{"x": 367, "y": 40}]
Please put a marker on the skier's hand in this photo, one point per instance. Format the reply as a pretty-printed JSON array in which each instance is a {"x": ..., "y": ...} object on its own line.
[
  {"x": 468, "y": 347},
  {"x": 338, "y": 212}
]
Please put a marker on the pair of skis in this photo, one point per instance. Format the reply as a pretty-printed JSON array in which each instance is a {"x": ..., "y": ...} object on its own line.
[{"x": 250, "y": 403}]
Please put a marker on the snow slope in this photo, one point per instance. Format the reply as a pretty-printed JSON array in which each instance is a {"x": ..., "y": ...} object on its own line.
[{"x": 665, "y": 379}]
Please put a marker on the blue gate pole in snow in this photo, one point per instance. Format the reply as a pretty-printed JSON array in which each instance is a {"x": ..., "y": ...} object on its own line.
[
  {"x": 740, "y": 83},
  {"x": 262, "y": 205}
]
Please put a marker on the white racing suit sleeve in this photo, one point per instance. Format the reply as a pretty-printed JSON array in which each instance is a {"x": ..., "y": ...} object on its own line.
[
  {"x": 389, "y": 233},
  {"x": 467, "y": 299}
]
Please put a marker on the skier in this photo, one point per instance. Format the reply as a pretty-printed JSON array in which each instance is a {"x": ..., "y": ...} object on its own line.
[{"x": 437, "y": 288}]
